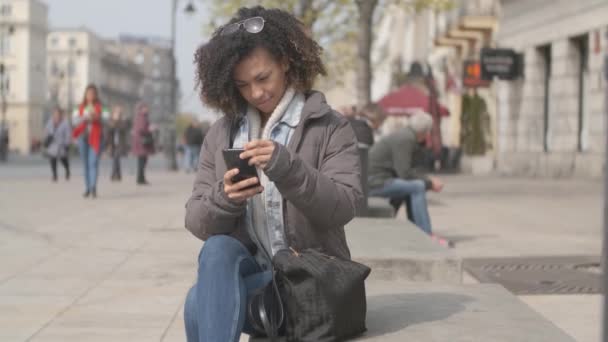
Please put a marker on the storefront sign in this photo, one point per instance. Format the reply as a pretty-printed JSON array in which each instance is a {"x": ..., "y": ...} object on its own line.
[
  {"x": 472, "y": 75},
  {"x": 506, "y": 64}
]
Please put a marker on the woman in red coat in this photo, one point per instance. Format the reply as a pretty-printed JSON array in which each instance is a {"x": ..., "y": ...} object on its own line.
[{"x": 87, "y": 121}]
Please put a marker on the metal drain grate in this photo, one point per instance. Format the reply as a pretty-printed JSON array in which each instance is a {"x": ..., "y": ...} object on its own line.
[{"x": 540, "y": 275}]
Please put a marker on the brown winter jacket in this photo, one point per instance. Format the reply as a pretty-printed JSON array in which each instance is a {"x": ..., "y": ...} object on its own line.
[{"x": 318, "y": 175}]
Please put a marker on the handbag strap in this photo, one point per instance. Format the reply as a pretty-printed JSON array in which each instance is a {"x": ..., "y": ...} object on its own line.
[{"x": 271, "y": 317}]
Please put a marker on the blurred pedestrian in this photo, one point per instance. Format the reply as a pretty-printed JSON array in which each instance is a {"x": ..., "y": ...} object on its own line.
[
  {"x": 142, "y": 141},
  {"x": 4, "y": 140},
  {"x": 193, "y": 138},
  {"x": 366, "y": 121},
  {"x": 117, "y": 141},
  {"x": 88, "y": 120},
  {"x": 58, "y": 137},
  {"x": 393, "y": 173}
]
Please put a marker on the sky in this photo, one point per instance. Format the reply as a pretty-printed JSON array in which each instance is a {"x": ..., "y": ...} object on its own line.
[{"x": 110, "y": 18}]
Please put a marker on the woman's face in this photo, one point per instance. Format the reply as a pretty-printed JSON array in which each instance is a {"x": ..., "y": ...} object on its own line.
[
  {"x": 117, "y": 113},
  {"x": 91, "y": 95},
  {"x": 261, "y": 80},
  {"x": 56, "y": 116}
]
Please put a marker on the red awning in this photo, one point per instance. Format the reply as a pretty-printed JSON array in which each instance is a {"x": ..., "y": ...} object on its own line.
[{"x": 406, "y": 99}]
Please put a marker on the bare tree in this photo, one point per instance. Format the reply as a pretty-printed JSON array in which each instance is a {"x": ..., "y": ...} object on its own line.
[
  {"x": 364, "y": 46},
  {"x": 366, "y": 9}
]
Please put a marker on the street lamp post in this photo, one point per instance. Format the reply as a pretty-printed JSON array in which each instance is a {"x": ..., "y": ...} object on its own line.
[
  {"x": 3, "y": 124},
  {"x": 170, "y": 135},
  {"x": 69, "y": 71},
  {"x": 604, "y": 263},
  {"x": 4, "y": 133}
]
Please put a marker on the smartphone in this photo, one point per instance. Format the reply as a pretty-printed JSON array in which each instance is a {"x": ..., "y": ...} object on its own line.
[{"x": 233, "y": 161}]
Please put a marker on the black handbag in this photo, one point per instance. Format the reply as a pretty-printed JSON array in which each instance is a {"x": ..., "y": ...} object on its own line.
[
  {"x": 48, "y": 140},
  {"x": 315, "y": 296},
  {"x": 147, "y": 140}
]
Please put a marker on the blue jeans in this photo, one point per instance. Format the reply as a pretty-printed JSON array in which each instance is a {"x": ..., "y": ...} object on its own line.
[
  {"x": 216, "y": 305},
  {"x": 191, "y": 153},
  {"x": 90, "y": 160},
  {"x": 400, "y": 189}
]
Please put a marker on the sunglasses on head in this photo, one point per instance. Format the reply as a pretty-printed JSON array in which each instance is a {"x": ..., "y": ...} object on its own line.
[{"x": 251, "y": 25}]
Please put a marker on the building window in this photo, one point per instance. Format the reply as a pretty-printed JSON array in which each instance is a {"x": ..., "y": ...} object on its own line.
[
  {"x": 71, "y": 66},
  {"x": 54, "y": 42},
  {"x": 6, "y": 10},
  {"x": 54, "y": 68},
  {"x": 5, "y": 43},
  {"x": 72, "y": 42},
  {"x": 545, "y": 55},
  {"x": 581, "y": 44},
  {"x": 156, "y": 59},
  {"x": 5, "y": 82},
  {"x": 156, "y": 73},
  {"x": 139, "y": 58}
]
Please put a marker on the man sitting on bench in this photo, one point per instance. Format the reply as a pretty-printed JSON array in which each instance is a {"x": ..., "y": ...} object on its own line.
[{"x": 393, "y": 175}]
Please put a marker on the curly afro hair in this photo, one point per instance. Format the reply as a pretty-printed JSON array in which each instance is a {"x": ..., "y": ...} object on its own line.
[{"x": 283, "y": 36}]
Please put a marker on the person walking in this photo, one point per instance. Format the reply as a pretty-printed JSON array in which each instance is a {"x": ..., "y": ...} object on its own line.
[
  {"x": 117, "y": 141},
  {"x": 88, "y": 120},
  {"x": 193, "y": 138},
  {"x": 142, "y": 141},
  {"x": 258, "y": 70},
  {"x": 57, "y": 142}
]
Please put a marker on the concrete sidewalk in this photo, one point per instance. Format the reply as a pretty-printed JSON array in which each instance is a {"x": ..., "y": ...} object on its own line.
[
  {"x": 499, "y": 217},
  {"x": 117, "y": 268}
]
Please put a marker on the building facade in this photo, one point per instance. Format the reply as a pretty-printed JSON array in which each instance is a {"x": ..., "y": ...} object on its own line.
[
  {"x": 77, "y": 58},
  {"x": 122, "y": 80},
  {"x": 23, "y": 30},
  {"x": 74, "y": 61},
  {"x": 551, "y": 121},
  {"x": 154, "y": 58},
  {"x": 442, "y": 41}
]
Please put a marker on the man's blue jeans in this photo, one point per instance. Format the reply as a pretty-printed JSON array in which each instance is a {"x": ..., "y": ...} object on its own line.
[
  {"x": 90, "y": 160},
  {"x": 191, "y": 153},
  {"x": 400, "y": 189},
  {"x": 216, "y": 305}
]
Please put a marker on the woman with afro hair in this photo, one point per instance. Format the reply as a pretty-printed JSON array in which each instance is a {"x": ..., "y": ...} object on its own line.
[{"x": 258, "y": 70}]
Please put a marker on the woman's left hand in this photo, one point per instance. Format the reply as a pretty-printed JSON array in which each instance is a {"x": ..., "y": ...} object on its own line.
[{"x": 260, "y": 152}]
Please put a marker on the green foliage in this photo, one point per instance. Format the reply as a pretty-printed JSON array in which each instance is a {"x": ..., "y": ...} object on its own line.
[
  {"x": 475, "y": 131},
  {"x": 333, "y": 23}
]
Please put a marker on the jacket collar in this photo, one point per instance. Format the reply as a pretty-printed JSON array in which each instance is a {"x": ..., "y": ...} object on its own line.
[{"x": 315, "y": 106}]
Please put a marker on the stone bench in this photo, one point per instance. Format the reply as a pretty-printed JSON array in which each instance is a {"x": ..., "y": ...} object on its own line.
[
  {"x": 400, "y": 311},
  {"x": 396, "y": 249},
  {"x": 379, "y": 207}
]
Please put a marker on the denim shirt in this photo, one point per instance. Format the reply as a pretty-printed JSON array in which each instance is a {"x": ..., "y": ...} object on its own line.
[{"x": 281, "y": 132}]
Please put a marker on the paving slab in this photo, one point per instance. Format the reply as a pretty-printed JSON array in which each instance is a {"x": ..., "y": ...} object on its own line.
[
  {"x": 397, "y": 249},
  {"x": 452, "y": 313},
  {"x": 130, "y": 244},
  {"x": 379, "y": 207}
]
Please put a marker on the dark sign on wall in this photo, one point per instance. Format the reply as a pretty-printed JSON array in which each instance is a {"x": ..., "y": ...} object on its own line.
[
  {"x": 472, "y": 75},
  {"x": 506, "y": 64}
]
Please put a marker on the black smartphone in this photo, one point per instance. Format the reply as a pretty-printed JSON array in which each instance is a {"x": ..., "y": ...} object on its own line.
[{"x": 233, "y": 161}]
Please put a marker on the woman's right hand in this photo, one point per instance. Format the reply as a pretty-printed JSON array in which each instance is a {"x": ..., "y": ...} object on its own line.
[{"x": 240, "y": 192}]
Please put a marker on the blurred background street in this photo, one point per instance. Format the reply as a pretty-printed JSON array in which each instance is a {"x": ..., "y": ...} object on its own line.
[{"x": 517, "y": 92}]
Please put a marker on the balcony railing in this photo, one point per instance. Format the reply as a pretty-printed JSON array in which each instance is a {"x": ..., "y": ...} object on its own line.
[{"x": 479, "y": 8}]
